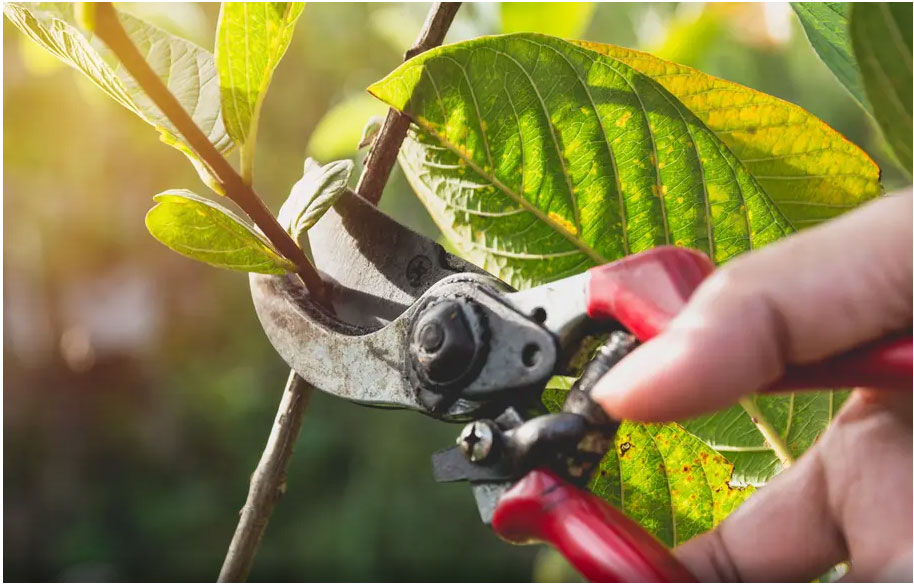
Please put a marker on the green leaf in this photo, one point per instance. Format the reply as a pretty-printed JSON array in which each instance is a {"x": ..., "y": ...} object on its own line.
[
  {"x": 806, "y": 167},
  {"x": 206, "y": 231},
  {"x": 562, "y": 19},
  {"x": 667, "y": 480},
  {"x": 251, "y": 39},
  {"x": 826, "y": 27},
  {"x": 797, "y": 420},
  {"x": 188, "y": 70},
  {"x": 313, "y": 195},
  {"x": 881, "y": 34},
  {"x": 540, "y": 158}
]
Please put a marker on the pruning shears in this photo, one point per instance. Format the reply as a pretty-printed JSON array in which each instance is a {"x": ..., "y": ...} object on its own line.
[{"x": 417, "y": 328}]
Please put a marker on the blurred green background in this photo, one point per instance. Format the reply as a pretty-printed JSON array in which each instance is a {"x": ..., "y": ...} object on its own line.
[{"x": 138, "y": 387}]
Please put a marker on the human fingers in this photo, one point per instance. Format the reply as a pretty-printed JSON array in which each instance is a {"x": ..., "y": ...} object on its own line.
[
  {"x": 785, "y": 532},
  {"x": 812, "y": 295},
  {"x": 847, "y": 498}
]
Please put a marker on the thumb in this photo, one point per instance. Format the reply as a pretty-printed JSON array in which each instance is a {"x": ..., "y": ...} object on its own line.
[{"x": 810, "y": 296}]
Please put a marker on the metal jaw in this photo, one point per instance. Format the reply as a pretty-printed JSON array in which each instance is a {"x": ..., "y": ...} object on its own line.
[{"x": 415, "y": 327}]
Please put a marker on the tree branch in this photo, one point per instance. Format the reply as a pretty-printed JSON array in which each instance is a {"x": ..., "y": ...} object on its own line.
[
  {"x": 269, "y": 479},
  {"x": 383, "y": 153},
  {"x": 268, "y": 483},
  {"x": 109, "y": 29}
]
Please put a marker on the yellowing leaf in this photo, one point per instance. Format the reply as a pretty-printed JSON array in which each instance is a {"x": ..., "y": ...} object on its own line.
[
  {"x": 806, "y": 167},
  {"x": 669, "y": 481},
  {"x": 206, "y": 231},
  {"x": 521, "y": 162}
]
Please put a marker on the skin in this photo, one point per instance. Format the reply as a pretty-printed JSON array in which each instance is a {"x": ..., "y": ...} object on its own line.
[{"x": 810, "y": 296}]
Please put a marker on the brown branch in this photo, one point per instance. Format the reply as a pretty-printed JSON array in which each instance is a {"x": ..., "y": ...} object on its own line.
[
  {"x": 269, "y": 478},
  {"x": 383, "y": 153},
  {"x": 109, "y": 29},
  {"x": 268, "y": 483}
]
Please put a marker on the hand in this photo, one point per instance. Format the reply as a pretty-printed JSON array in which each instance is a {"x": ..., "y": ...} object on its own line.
[{"x": 810, "y": 296}]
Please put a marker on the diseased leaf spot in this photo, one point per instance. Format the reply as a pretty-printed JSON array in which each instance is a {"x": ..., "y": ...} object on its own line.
[{"x": 563, "y": 222}]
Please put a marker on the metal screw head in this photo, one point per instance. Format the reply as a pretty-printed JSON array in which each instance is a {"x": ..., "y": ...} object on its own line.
[
  {"x": 443, "y": 342},
  {"x": 476, "y": 440},
  {"x": 431, "y": 337}
]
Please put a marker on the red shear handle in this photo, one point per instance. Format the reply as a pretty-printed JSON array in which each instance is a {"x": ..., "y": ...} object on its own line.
[
  {"x": 597, "y": 539},
  {"x": 645, "y": 291}
]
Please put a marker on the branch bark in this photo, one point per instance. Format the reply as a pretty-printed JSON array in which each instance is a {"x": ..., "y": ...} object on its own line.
[
  {"x": 269, "y": 479},
  {"x": 268, "y": 483},
  {"x": 383, "y": 153},
  {"x": 108, "y": 27}
]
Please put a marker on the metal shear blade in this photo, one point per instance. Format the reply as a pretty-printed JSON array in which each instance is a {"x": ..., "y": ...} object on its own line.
[{"x": 382, "y": 275}]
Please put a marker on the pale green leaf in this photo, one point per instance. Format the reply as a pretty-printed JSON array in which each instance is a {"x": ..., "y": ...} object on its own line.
[
  {"x": 206, "y": 231},
  {"x": 666, "y": 479},
  {"x": 562, "y": 19},
  {"x": 188, "y": 70},
  {"x": 251, "y": 39},
  {"x": 313, "y": 195},
  {"x": 826, "y": 27},
  {"x": 881, "y": 34}
]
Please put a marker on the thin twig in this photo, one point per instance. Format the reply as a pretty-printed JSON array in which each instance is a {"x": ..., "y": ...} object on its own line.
[
  {"x": 383, "y": 153},
  {"x": 108, "y": 27},
  {"x": 268, "y": 480}
]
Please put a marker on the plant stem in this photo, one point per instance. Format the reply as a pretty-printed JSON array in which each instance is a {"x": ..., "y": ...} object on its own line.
[
  {"x": 109, "y": 29},
  {"x": 269, "y": 478},
  {"x": 383, "y": 153},
  {"x": 247, "y": 163},
  {"x": 268, "y": 483}
]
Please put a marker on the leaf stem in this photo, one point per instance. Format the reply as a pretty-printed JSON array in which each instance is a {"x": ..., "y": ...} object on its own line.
[
  {"x": 109, "y": 29},
  {"x": 772, "y": 437},
  {"x": 247, "y": 163}
]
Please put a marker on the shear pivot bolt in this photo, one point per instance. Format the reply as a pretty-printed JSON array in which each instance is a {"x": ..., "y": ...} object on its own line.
[
  {"x": 431, "y": 337},
  {"x": 443, "y": 342},
  {"x": 476, "y": 440}
]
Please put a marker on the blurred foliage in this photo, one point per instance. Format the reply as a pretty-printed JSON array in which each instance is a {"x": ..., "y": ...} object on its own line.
[
  {"x": 826, "y": 27},
  {"x": 566, "y": 19},
  {"x": 138, "y": 389}
]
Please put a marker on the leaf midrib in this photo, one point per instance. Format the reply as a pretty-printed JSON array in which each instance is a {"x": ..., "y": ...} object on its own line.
[{"x": 523, "y": 202}]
